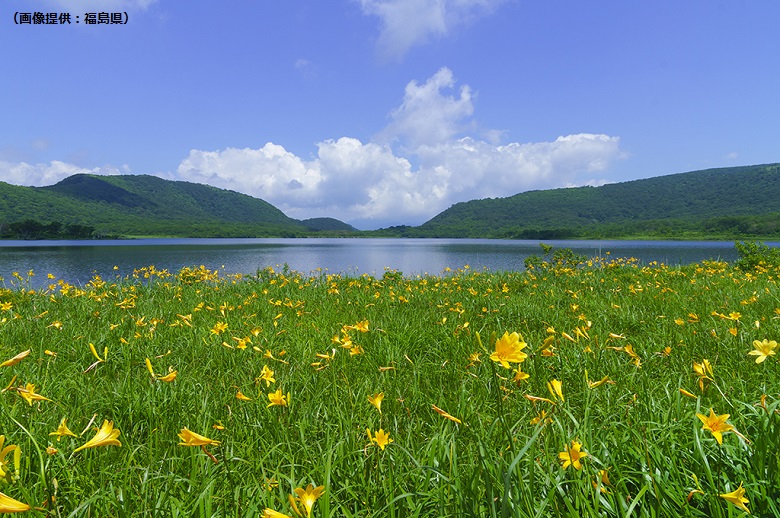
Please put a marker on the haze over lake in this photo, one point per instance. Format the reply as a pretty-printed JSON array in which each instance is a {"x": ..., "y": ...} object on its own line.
[{"x": 77, "y": 261}]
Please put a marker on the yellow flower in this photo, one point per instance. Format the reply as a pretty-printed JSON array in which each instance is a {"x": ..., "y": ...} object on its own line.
[
  {"x": 556, "y": 389},
  {"x": 571, "y": 456},
  {"x": 170, "y": 376},
  {"x": 240, "y": 395},
  {"x": 716, "y": 424},
  {"x": 307, "y": 497},
  {"x": 29, "y": 395},
  {"x": 509, "y": 348},
  {"x": 3, "y": 452},
  {"x": 270, "y": 513},
  {"x": 595, "y": 384},
  {"x": 603, "y": 476},
  {"x": 445, "y": 414},
  {"x": 534, "y": 399},
  {"x": 190, "y": 438},
  {"x": 278, "y": 399},
  {"x": 16, "y": 359},
  {"x": 63, "y": 430},
  {"x": 687, "y": 394},
  {"x": 106, "y": 436},
  {"x": 266, "y": 375},
  {"x": 520, "y": 376},
  {"x": 376, "y": 400},
  {"x": 737, "y": 497},
  {"x": 381, "y": 438},
  {"x": 763, "y": 349},
  {"x": 51, "y": 450},
  {"x": 704, "y": 371},
  {"x": 9, "y": 505}
]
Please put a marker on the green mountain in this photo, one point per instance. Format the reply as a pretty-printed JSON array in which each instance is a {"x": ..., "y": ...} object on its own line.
[
  {"x": 142, "y": 205},
  {"x": 725, "y": 203}
]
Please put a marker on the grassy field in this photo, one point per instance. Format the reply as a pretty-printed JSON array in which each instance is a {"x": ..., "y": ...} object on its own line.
[{"x": 609, "y": 389}]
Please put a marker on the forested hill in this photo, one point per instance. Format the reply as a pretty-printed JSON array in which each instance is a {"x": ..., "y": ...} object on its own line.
[
  {"x": 142, "y": 205},
  {"x": 727, "y": 202}
]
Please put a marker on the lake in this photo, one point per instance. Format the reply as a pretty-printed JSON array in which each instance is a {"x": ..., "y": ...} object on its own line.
[{"x": 77, "y": 261}]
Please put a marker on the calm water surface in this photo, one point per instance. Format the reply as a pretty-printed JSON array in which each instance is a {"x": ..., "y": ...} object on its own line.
[{"x": 78, "y": 261}]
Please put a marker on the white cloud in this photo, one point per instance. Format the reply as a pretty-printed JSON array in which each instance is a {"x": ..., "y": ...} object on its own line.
[
  {"x": 36, "y": 175},
  {"x": 377, "y": 185},
  {"x": 407, "y": 23},
  {"x": 382, "y": 182},
  {"x": 427, "y": 116}
]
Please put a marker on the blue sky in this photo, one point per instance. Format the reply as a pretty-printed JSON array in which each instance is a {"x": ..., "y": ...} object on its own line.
[{"x": 386, "y": 112}]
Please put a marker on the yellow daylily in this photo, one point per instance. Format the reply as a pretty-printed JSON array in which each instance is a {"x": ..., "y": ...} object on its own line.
[
  {"x": 763, "y": 349},
  {"x": 509, "y": 348},
  {"x": 445, "y": 414},
  {"x": 307, "y": 497},
  {"x": 716, "y": 424},
  {"x": 278, "y": 399},
  {"x": 5, "y": 451},
  {"x": 381, "y": 438},
  {"x": 556, "y": 389},
  {"x": 571, "y": 456},
  {"x": 266, "y": 375},
  {"x": 9, "y": 505},
  {"x": 29, "y": 394},
  {"x": 190, "y": 438},
  {"x": 171, "y": 376},
  {"x": 105, "y": 436},
  {"x": 270, "y": 513},
  {"x": 737, "y": 497},
  {"x": 376, "y": 400},
  {"x": 16, "y": 359},
  {"x": 62, "y": 430},
  {"x": 240, "y": 395}
]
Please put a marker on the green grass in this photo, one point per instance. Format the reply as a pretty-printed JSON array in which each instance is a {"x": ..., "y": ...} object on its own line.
[{"x": 428, "y": 342}]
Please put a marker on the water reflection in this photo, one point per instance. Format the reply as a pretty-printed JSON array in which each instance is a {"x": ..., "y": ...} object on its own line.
[{"x": 78, "y": 261}]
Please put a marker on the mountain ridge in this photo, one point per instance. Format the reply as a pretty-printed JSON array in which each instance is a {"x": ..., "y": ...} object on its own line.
[{"x": 722, "y": 203}]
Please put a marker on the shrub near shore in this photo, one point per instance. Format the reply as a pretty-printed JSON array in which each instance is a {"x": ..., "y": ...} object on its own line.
[{"x": 600, "y": 389}]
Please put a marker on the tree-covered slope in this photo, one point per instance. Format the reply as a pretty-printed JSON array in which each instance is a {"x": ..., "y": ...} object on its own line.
[
  {"x": 146, "y": 205},
  {"x": 685, "y": 200}
]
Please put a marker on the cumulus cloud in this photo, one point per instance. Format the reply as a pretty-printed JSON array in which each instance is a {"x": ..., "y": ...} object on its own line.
[
  {"x": 407, "y": 23},
  {"x": 36, "y": 175},
  {"x": 421, "y": 163},
  {"x": 427, "y": 115},
  {"x": 375, "y": 183}
]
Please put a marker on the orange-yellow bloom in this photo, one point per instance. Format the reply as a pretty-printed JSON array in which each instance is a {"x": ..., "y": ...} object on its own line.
[
  {"x": 716, "y": 424},
  {"x": 9, "y": 505},
  {"x": 105, "y": 436},
  {"x": 763, "y": 349},
  {"x": 572, "y": 456},
  {"x": 307, "y": 497},
  {"x": 190, "y": 438},
  {"x": 445, "y": 414},
  {"x": 266, "y": 375},
  {"x": 509, "y": 348},
  {"x": 62, "y": 429},
  {"x": 737, "y": 497},
  {"x": 240, "y": 395},
  {"x": 376, "y": 400},
  {"x": 556, "y": 389},
  {"x": 381, "y": 438},
  {"x": 270, "y": 513},
  {"x": 5, "y": 451},
  {"x": 170, "y": 376},
  {"x": 29, "y": 394},
  {"x": 16, "y": 359},
  {"x": 278, "y": 399}
]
